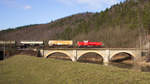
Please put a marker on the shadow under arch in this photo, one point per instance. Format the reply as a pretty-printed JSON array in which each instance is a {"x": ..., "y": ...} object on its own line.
[
  {"x": 122, "y": 57},
  {"x": 91, "y": 57},
  {"x": 59, "y": 55}
]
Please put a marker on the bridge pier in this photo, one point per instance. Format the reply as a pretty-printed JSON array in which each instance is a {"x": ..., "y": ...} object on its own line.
[
  {"x": 74, "y": 58},
  {"x": 106, "y": 57},
  {"x": 105, "y": 62},
  {"x": 138, "y": 57}
]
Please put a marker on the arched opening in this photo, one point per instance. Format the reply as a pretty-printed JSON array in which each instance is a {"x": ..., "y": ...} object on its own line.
[
  {"x": 59, "y": 55},
  {"x": 1, "y": 55},
  {"x": 122, "y": 57},
  {"x": 91, "y": 57}
]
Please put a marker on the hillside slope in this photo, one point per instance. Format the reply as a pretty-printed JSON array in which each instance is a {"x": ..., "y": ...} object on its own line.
[
  {"x": 119, "y": 26},
  {"x": 44, "y": 31}
]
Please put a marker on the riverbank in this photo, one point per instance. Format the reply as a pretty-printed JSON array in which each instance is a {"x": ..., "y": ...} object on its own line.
[{"x": 22, "y": 69}]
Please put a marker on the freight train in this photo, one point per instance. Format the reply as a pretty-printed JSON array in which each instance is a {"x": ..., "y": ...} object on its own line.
[{"x": 54, "y": 44}]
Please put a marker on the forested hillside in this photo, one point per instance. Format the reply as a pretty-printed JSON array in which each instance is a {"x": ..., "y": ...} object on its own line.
[
  {"x": 119, "y": 26},
  {"x": 44, "y": 31}
]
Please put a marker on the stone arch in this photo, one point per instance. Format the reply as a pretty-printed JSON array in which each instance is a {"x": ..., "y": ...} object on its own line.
[
  {"x": 128, "y": 53},
  {"x": 63, "y": 52},
  {"x": 86, "y": 53}
]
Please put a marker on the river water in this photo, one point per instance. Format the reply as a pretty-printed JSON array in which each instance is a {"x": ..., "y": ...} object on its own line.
[
  {"x": 124, "y": 66},
  {"x": 131, "y": 66},
  {"x": 119, "y": 65}
]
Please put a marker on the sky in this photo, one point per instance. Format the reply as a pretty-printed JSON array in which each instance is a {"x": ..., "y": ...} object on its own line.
[{"x": 14, "y": 13}]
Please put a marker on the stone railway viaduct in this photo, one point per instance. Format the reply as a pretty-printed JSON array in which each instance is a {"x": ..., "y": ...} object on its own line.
[{"x": 105, "y": 53}]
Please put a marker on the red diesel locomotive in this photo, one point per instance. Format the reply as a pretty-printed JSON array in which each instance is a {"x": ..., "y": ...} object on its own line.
[{"x": 89, "y": 44}]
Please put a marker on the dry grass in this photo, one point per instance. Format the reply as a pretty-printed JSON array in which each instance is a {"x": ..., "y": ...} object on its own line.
[{"x": 23, "y": 69}]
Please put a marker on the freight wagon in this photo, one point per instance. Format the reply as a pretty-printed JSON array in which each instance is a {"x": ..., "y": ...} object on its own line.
[
  {"x": 8, "y": 43},
  {"x": 60, "y": 43},
  {"x": 25, "y": 44}
]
